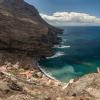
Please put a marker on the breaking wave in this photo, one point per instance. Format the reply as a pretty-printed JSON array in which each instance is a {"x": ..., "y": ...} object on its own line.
[
  {"x": 62, "y": 46},
  {"x": 57, "y": 54}
]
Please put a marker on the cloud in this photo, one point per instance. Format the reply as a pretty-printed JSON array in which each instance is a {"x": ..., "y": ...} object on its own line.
[{"x": 70, "y": 18}]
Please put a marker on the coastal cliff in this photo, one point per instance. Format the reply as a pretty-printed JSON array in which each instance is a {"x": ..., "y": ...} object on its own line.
[
  {"x": 22, "y": 29},
  {"x": 24, "y": 38},
  {"x": 24, "y": 34}
]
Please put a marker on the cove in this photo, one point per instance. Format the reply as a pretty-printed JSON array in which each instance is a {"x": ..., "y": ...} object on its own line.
[{"x": 78, "y": 53}]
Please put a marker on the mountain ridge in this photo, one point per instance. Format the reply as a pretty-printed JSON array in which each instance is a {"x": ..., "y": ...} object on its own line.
[{"x": 22, "y": 28}]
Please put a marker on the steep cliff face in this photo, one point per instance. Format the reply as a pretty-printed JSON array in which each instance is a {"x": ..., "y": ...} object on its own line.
[{"x": 22, "y": 29}]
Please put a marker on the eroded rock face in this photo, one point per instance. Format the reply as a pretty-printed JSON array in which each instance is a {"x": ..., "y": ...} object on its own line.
[
  {"x": 22, "y": 28},
  {"x": 87, "y": 86}
]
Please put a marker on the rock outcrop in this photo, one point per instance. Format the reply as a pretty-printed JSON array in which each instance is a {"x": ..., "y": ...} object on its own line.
[
  {"x": 22, "y": 29},
  {"x": 19, "y": 84},
  {"x": 87, "y": 86}
]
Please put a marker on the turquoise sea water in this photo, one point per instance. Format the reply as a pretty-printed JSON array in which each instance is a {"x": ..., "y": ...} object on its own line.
[{"x": 78, "y": 53}]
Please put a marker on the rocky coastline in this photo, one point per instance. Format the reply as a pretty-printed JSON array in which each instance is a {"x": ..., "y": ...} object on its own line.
[
  {"x": 23, "y": 30},
  {"x": 25, "y": 38},
  {"x": 17, "y": 83}
]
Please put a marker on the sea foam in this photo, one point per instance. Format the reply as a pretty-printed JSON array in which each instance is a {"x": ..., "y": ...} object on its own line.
[
  {"x": 57, "y": 54},
  {"x": 62, "y": 46}
]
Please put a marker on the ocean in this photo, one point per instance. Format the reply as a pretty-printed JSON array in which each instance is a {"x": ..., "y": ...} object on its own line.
[{"x": 78, "y": 53}]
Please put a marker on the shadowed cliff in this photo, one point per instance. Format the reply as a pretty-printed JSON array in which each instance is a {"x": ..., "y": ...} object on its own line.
[{"x": 22, "y": 29}]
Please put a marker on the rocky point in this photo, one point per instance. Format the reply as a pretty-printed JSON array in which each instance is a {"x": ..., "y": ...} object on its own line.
[{"x": 24, "y": 38}]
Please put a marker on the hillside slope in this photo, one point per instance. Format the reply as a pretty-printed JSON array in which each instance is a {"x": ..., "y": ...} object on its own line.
[{"x": 22, "y": 29}]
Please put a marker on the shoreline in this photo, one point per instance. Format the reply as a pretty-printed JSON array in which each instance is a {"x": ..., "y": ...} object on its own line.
[
  {"x": 46, "y": 74},
  {"x": 63, "y": 84}
]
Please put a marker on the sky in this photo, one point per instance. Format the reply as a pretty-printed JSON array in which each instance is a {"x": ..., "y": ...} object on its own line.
[{"x": 68, "y": 12}]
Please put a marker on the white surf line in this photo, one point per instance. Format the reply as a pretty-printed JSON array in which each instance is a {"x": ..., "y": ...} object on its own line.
[
  {"x": 70, "y": 82},
  {"x": 57, "y": 54},
  {"x": 45, "y": 73},
  {"x": 52, "y": 78},
  {"x": 62, "y": 46}
]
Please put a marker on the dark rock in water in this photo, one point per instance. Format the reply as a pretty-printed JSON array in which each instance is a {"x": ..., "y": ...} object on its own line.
[{"x": 22, "y": 29}]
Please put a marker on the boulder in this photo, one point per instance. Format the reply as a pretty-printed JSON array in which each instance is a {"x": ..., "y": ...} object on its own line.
[{"x": 39, "y": 74}]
